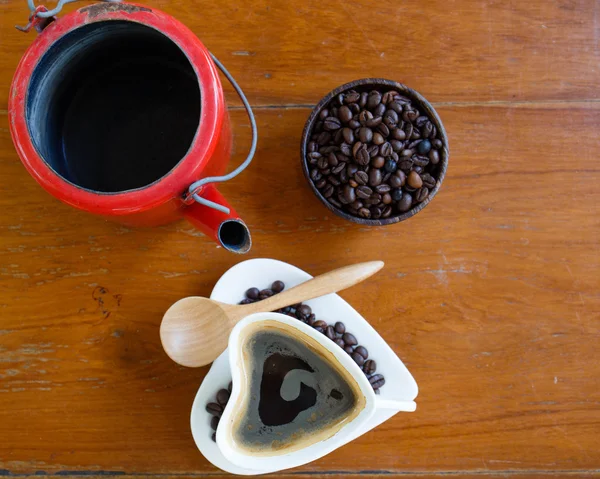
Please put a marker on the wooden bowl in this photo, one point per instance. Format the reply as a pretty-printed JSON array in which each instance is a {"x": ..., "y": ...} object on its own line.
[{"x": 368, "y": 84}]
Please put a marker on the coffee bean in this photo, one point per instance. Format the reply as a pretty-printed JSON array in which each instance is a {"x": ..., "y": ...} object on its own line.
[
  {"x": 364, "y": 213},
  {"x": 344, "y": 114},
  {"x": 327, "y": 190},
  {"x": 332, "y": 159},
  {"x": 320, "y": 324},
  {"x": 315, "y": 175},
  {"x": 349, "y": 339},
  {"x": 378, "y": 138},
  {"x": 386, "y": 199},
  {"x": 322, "y": 163},
  {"x": 333, "y": 180},
  {"x": 374, "y": 199},
  {"x": 437, "y": 143},
  {"x": 378, "y": 162},
  {"x": 223, "y": 397},
  {"x": 305, "y": 310},
  {"x": 353, "y": 124},
  {"x": 375, "y": 212},
  {"x": 349, "y": 349},
  {"x": 252, "y": 293},
  {"x": 420, "y": 160},
  {"x": 398, "y": 134},
  {"x": 356, "y": 147},
  {"x": 422, "y": 194},
  {"x": 370, "y": 367},
  {"x": 351, "y": 97},
  {"x": 382, "y": 189},
  {"x": 428, "y": 180},
  {"x": 424, "y": 147},
  {"x": 311, "y": 319},
  {"x": 364, "y": 116},
  {"x": 340, "y": 327},
  {"x": 405, "y": 203},
  {"x": 348, "y": 138},
  {"x": 414, "y": 180},
  {"x": 386, "y": 149},
  {"x": 377, "y": 381},
  {"x": 375, "y": 177},
  {"x": 387, "y": 211},
  {"x": 214, "y": 423},
  {"x": 361, "y": 177},
  {"x": 363, "y": 192},
  {"x": 358, "y": 359},
  {"x": 396, "y": 106},
  {"x": 214, "y": 437},
  {"x": 434, "y": 157},
  {"x": 363, "y": 157},
  {"x": 318, "y": 329},
  {"x": 384, "y": 130},
  {"x": 408, "y": 130},
  {"x": 331, "y": 123},
  {"x": 427, "y": 130},
  {"x": 397, "y": 194},
  {"x": 337, "y": 169},
  {"x": 365, "y": 134},
  {"x": 374, "y": 122},
  {"x": 363, "y": 99},
  {"x": 390, "y": 166},
  {"x": 406, "y": 165},
  {"x": 340, "y": 342},
  {"x": 338, "y": 136},
  {"x": 379, "y": 110},
  {"x": 313, "y": 146},
  {"x": 397, "y": 145},
  {"x": 265, "y": 293},
  {"x": 390, "y": 118},
  {"x": 373, "y": 151},
  {"x": 324, "y": 113},
  {"x": 349, "y": 194},
  {"x": 214, "y": 409},
  {"x": 230, "y": 386},
  {"x": 321, "y": 183},
  {"x": 330, "y": 332},
  {"x": 373, "y": 100}
]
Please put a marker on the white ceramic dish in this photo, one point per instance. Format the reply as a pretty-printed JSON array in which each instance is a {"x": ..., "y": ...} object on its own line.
[{"x": 399, "y": 386}]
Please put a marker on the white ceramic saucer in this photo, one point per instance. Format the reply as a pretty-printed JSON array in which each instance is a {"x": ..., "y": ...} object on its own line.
[{"x": 399, "y": 386}]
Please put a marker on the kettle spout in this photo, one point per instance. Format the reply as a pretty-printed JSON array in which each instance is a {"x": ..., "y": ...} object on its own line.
[{"x": 226, "y": 229}]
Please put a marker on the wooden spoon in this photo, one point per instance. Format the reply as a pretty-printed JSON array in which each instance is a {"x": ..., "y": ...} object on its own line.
[{"x": 195, "y": 330}]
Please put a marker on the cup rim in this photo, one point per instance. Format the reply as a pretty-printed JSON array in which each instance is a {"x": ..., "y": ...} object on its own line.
[
  {"x": 308, "y": 453},
  {"x": 187, "y": 169},
  {"x": 422, "y": 103}
]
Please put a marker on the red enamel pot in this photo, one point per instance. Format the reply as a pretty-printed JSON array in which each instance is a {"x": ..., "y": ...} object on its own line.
[{"x": 116, "y": 109}]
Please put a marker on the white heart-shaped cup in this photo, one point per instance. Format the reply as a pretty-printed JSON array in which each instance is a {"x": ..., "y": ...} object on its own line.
[{"x": 320, "y": 441}]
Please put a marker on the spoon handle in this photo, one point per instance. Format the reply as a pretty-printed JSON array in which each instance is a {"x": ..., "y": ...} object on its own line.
[{"x": 327, "y": 283}]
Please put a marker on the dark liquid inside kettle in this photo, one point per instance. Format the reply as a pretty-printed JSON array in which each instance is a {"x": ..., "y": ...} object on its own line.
[{"x": 113, "y": 106}]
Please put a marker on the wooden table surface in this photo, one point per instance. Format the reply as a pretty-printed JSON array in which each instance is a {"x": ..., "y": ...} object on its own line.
[{"x": 491, "y": 295}]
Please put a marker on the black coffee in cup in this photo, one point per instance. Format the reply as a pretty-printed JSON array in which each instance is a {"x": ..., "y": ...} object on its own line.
[{"x": 295, "y": 394}]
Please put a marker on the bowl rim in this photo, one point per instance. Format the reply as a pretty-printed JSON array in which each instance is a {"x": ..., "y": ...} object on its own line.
[{"x": 423, "y": 105}]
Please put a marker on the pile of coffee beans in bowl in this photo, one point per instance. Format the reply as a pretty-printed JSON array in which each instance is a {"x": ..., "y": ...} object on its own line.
[{"x": 375, "y": 151}]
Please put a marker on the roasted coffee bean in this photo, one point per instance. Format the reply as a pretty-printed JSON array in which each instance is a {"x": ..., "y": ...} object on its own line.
[
  {"x": 304, "y": 310},
  {"x": 348, "y": 136},
  {"x": 373, "y": 151},
  {"x": 406, "y": 165},
  {"x": 364, "y": 192},
  {"x": 390, "y": 118},
  {"x": 214, "y": 409},
  {"x": 422, "y": 194},
  {"x": 405, "y": 203},
  {"x": 265, "y": 293},
  {"x": 333, "y": 180},
  {"x": 358, "y": 359},
  {"x": 398, "y": 134},
  {"x": 278, "y": 286},
  {"x": 331, "y": 123},
  {"x": 428, "y": 180},
  {"x": 351, "y": 97},
  {"x": 370, "y": 367},
  {"x": 420, "y": 160},
  {"x": 395, "y": 106},
  {"x": 315, "y": 175},
  {"x": 386, "y": 149},
  {"x": 214, "y": 437},
  {"x": 349, "y": 194},
  {"x": 363, "y": 99},
  {"x": 386, "y": 177},
  {"x": 373, "y": 100},
  {"x": 374, "y": 122},
  {"x": 327, "y": 190},
  {"x": 373, "y": 200},
  {"x": 384, "y": 130},
  {"x": 378, "y": 139},
  {"x": 362, "y": 351},
  {"x": 362, "y": 156},
  {"x": 377, "y": 381},
  {"x": 387, "y": 211},
  {"x": 332, "y": 159},
  {"x": 330, "y": 332},
  {"x": 322, "y": 163},
  {"x": 351, "y": 170},
  {"x": 320, "y": 324},
  {"x": 349, "y": 339},
  {"x": 397, "y": 194},
  {"x": 365, "y": 134},
  {"x": 387, "y": 97},
  {"x": 361, "y": 178},
  {"x": 378, "y": 162},
  {"x": 346, "y": 149},
  {"x": 352, "y": 182},
  {"x": 407, "y": 153},
  {"x": 424, "y": 147},
  {"x": 364, "y": 116},
  {"x": 319, "y": 329},
  {"x": 353, "y": 124},
  {"x": 344, "y": 114},
  {"x": 364, "y": 213},
  {"x": 386, "y": 199},
  {"x": 381, "y": 189},
  {"x": 395, "y": 181},
  {"x": 311, "y": 319},
  {"x": 247, "y": 301},
  {"x": 427, "y": 130},
  {"x": 324, "y": 113},
  {"x": 321, "y": 183},
  {"x": 337, "y": 169},
  {"x": 340, "y": 327},
  {"x": 379, "y": 110},
  {"x": 437, "y": 143},
  {"x": 408, "y": 130},
  {"x": 375, "y": 212},
  {"x": 390, "y": 166},
  {"x": 214, "y": 423},
  {"x": 252, "y": 293},
  {"x": 223, "y": 397},
  {"x": 338, "y": 136},
  {"x": 397, "y": 145},
  {"x": 313, "y": 146},
  {"x": 434, "y": 157},
  {"x": 375, "y": 177},
  {"x": 414, "y": 180},
  {"x": 340, "y": 342}
]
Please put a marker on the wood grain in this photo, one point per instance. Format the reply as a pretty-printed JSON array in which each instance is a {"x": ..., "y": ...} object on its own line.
[
  {"x": 491, "y": 295},
  {"x": 296, "y": 51}
]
